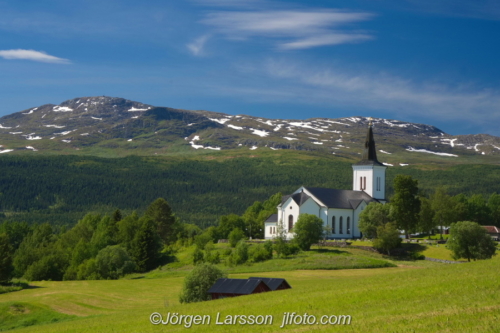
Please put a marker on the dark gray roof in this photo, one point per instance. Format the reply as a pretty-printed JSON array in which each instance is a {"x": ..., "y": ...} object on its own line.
[
  {"x": 369, "y": 153},
  {"x": 343, "y": 199},
  {"x": 272, "y": 218},
  {"x": 299, "y": 198},
  {"x": 284, "y": 198},
  {"x": 272, "y": 283},
  {"x": 236, "y": 286}
]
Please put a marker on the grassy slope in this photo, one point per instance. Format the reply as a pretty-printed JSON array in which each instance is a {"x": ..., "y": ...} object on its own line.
[{"x": 417, "y": 296}]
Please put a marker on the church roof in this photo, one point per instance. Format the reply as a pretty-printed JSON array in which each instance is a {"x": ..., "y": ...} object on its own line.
[
  {"x": 272, "y": 218},
  {"x": 369, "y": 153},
  {"x": 342, "y": 199}
]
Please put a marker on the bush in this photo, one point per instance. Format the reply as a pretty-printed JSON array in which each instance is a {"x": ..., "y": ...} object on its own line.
[
  {"x": 198, "y": 282},
  {"x": 308, "y": 230},
  {"x": 240, "y": 254},
  {"x": 211, "y": 256},
  {"x": 197, "y": 256},
  {"x": 388, "y": 238},
  {"x": 114, "y": 262},
  {"x": 235, "y": 236},
  {"x": 471, "y": 241},
  {"x": 259, "y": 253}
]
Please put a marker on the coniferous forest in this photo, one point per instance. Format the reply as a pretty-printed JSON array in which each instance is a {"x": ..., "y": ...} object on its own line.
[{"x": 60, "y": 190}]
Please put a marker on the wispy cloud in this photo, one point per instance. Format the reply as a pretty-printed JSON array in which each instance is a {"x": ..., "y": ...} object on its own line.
[
  {"x": 196, "y": 47},
  {"x": 32, "y": 55},
  {"x": 395, "y": 96},
  {"x": 292, "y": 29}
]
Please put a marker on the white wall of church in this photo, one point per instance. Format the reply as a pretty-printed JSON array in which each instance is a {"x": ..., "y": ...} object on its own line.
[
  {"x": 343, "y": 215},
  {"x": 369, "y": 178}
]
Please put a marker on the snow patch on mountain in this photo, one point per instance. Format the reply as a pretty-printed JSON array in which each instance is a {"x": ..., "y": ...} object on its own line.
[
  {"x": 429, "y": 152},
  {"x": 58, "y": 108}
]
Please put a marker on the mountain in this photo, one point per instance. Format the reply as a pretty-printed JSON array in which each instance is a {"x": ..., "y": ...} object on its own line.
[{"x": 107, "y": 126}]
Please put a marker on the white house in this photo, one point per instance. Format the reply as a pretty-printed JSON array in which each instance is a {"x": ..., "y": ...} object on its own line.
[{"x": 339, "y": 209}]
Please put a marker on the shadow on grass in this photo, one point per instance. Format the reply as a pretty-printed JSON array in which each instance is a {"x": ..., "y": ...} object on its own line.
[{"x": 330, "y": 251}]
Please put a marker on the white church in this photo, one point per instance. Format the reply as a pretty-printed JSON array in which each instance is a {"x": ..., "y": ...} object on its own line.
[{"x": 339, "y": 209}]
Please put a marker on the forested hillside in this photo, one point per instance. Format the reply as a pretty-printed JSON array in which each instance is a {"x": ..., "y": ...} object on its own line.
[{"x": 62, "y": 189}]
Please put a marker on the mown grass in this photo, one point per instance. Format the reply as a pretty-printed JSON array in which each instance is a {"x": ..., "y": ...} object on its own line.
[
  {"x": 413, "y": 297},
  {"x": 20, "y": 314},
  {"x": 444, "y": 298}
]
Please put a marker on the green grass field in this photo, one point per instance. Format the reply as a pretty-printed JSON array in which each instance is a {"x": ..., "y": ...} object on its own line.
[{"x": 415, "y": 296}]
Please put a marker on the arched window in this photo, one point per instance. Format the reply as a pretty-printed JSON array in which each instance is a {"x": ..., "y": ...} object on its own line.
[
  {"x": 290, "y": 222},
  {"x": 348, "y": 225},
  {"x": 361, "y": 183},
  {"x": 340, "y": 226},
  {"x": 333, "y": 224}
]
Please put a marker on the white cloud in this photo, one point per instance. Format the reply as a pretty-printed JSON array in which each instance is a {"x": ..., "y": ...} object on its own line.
[
  {"x": 196, "y": 47},
  {"x": 294, "y": 29},
  {"x": 32, "y": 55},
  {"x": 396, "y": 96}
]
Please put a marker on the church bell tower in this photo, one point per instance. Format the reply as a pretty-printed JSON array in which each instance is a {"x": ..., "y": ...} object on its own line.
[{"x": 369, "y": 173}]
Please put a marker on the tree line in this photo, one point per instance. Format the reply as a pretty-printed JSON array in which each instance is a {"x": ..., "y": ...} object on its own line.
[
  {"x": 97, "y": 247},
  {"x": 412, "y": 211},
  {"x": 58, "y": 189}
]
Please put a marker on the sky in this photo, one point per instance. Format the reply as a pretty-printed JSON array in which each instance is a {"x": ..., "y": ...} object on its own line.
[{"x": 435, "y": 62}]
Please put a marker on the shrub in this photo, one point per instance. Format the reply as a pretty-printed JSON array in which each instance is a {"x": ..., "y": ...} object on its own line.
[
  {"x": 198, "y": 282},
  {"x": 114, "y": 262},
  {"x": 471, "y": 241},
  {"x": 259, "y": 253},
  {"x": 308, "y": 230},
  {"x": 388, "y": 238},
  {"x": 240, "y": 254},
  {"x": 235, "y": 236},
  {"x": 197, "y": 256}
]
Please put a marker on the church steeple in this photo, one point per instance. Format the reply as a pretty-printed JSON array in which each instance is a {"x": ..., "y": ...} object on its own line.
[
  {"x": 369, "y": 156},
  {"x": 369, "y": 173}
]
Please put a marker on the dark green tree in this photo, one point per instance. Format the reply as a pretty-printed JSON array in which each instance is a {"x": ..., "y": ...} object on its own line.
[
  {"x": 117, "y": 215},
  {"x": 405, "y": 204},
  {"x": 235, "y": 236},
  {"x": 228, "y": 223},
  {"x": 114, "y": 262},
  {"x": 373, "y": 216},
  {"x": 387, "y": 238},
  {"x": 427, "y": 222},
  {"x": 307, "y": 231},
  {"x": 494, "y": 206},
  {"x": 146, "y": 245},
  {"x": 478, "y": 209},
  {"x": 198, "y": 282},
  {"x": 471, "y": 241},
  {"x": 6, "y": 254},
  {"x": 161, "y": 213}
]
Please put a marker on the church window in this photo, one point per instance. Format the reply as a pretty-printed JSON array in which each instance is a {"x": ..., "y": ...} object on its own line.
[
  {"x": 348, "y": 225},
  {"x": 290, "y": 222},
  {"x": 364, "y": 184},
  {"x": 340, "y": 226},
  {"x": 290, "y": 207},
  {"x": 361, "y": 183},
  {"x": 333, "y": 224}
]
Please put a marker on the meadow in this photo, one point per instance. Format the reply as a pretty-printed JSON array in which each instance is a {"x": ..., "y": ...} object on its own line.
[{"x": 411, "y": 296}]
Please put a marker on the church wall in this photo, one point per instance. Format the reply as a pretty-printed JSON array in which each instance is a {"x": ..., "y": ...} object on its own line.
[
  {"x": 363, "y": 171},
  {"x": 344, "y": 213}
]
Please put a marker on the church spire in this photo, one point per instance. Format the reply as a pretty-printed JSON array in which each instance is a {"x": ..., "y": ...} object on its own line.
[{"x": 369, "y": 156}]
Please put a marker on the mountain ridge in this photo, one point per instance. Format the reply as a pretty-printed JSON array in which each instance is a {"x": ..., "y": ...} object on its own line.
[{"x": 88, "y": 124}]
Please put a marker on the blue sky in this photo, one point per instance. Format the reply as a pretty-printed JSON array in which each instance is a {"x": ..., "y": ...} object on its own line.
[{"x": 428, "y": 61}]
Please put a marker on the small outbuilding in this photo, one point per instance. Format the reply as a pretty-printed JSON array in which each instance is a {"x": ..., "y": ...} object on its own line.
[{"x": 223, "y": 288}]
